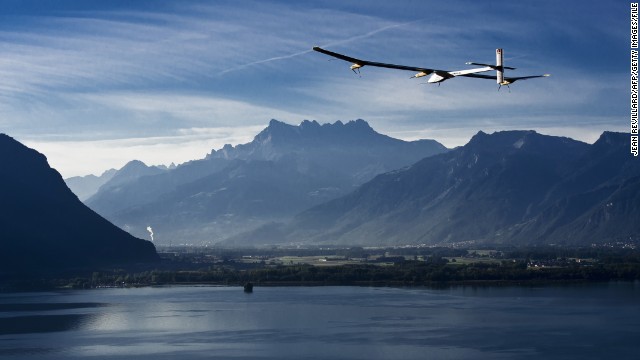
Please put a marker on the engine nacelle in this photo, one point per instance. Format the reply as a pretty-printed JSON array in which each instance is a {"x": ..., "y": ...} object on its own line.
[
  {"x": 420, "y": 74},
  {"x": 435, "y": 78}
]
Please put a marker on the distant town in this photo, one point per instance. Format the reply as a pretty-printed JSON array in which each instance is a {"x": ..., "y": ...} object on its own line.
[{"x": 364, "y": 266}]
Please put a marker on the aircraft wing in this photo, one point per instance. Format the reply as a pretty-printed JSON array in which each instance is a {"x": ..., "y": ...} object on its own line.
[{"x": 362, "y": 63}]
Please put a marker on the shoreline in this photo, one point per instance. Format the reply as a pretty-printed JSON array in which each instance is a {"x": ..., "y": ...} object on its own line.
[{"x": 381, "y": 284}]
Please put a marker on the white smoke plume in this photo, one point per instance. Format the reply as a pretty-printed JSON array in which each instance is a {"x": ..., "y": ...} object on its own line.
[{"x": 150, "y": 230}]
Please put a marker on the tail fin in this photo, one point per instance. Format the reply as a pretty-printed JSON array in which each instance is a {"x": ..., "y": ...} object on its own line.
[{"x": 499, "y": 67}]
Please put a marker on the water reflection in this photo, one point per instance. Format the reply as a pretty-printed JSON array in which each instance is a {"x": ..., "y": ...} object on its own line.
[
  {"x": 10, "y": 307},
  {"x": 320, "y": 323},
  {"x": 42, "y": 323},
  {"x": 32, "y": 317}
]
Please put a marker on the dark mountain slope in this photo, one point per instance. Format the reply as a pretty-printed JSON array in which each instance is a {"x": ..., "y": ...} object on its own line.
[
  {"x": 44, "y": 225},
  {"x": 595, "y": 201},
  {"x": 509, "y": 186}
]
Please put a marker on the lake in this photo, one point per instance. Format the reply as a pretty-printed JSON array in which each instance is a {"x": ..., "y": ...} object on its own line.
[{"x": 550, "y": 322}]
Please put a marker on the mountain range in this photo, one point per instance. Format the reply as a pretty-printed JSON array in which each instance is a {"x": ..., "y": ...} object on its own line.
[
  {"x": 327, "y": 184},
  {"x": 511, "y": 187},
  {"x": 43, "y": 225},
  {"x": 284, "y": 170},
  {"x": 86, "y": 186},
  {"x": 346, "y": 184}
]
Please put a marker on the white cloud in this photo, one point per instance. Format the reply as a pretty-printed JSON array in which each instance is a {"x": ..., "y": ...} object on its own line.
[
  {"x": 75, "y": 158},
  {"x": 108, "y": 80},
  {"x": 192, "y": 109}
]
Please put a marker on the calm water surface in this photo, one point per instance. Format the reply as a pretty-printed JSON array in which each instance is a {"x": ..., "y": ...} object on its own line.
[{"x": 569, "y": 322}]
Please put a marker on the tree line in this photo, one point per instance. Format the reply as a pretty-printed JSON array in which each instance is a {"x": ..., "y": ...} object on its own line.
[
  {"x": 408, "y": 273},
  {"x": 514, "y": 268}
]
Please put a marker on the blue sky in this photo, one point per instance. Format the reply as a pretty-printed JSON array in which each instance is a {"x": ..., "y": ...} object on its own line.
[{"x": 94, "y": 84}]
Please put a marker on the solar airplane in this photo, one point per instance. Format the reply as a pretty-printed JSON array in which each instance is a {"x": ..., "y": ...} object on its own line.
[{"x": 438, "y": 76}]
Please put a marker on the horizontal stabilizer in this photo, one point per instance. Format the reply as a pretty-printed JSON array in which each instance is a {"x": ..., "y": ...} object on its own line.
[{"x": 491, "y": 66}]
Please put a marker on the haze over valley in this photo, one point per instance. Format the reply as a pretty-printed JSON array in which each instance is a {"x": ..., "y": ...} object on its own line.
[
  {"x": 284, "y": 170},
  {"x": 346, "y": 184}
]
